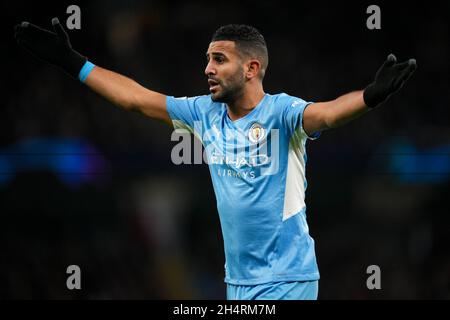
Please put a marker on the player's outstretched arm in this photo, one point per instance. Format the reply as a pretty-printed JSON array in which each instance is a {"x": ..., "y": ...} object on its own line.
[
  {"x": 55, "y": 48},
  {"x": 127, "y": 93},
  {"x": 390, "y": 77}
]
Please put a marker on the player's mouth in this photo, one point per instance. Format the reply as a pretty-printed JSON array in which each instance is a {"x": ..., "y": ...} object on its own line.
[{"x": 213, "y": 85}]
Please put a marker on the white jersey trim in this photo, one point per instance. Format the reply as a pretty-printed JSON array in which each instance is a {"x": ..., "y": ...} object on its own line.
[{"x": 294, "y": 194}]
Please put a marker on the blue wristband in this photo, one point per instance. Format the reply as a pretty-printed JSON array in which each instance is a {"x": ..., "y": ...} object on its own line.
[{"x": 84, "y": 72}]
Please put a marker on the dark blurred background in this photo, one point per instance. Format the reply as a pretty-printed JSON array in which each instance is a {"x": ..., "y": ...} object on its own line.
[{"x": 85, "y": 183}]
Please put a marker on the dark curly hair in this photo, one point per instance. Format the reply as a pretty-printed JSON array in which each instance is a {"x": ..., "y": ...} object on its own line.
[{"x": 249, "y": 42}]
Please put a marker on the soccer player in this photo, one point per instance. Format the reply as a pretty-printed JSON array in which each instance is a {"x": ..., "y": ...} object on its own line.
[{"x": 255, "y": 146}]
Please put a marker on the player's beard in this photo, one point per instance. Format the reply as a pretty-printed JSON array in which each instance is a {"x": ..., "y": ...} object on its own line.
[{"x": 231, "y": 89}]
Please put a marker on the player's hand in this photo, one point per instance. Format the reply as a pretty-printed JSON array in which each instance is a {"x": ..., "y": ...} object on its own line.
[
  {"x": 53, "y": 47},
  {"x": 389, "y": 79}
]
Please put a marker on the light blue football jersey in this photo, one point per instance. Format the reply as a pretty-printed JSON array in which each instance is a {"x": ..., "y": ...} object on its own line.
[{"x": 257, "y": 165}]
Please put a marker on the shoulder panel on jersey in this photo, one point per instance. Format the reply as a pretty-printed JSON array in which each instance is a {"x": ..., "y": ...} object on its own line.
[{"x": 291, "y": 113}]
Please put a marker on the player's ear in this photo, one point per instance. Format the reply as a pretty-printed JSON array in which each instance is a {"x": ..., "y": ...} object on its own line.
[{"x": 253, "y": 67}]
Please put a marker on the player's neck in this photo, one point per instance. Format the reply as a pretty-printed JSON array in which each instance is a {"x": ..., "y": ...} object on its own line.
[{"x": 246, "y": 103}]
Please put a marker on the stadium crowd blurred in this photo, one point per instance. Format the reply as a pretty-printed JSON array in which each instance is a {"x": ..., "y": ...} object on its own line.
[{"x": 85, "y": 183}]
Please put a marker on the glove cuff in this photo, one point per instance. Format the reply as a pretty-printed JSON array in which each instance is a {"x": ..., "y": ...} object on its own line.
[
  {"x": 85, "y": 71},
  {"x": 373, "y": 97}
]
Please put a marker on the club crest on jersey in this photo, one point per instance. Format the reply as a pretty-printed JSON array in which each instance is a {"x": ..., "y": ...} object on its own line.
[{"x": 256, "y": 133}]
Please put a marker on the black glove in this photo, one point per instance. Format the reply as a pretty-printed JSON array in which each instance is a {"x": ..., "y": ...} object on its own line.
[
  {"x": 53, "y": 47},
  {"x": 388, "y": 80}
]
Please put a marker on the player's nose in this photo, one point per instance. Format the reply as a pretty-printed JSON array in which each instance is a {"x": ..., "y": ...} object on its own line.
[{"x": 209, "y": 70}]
